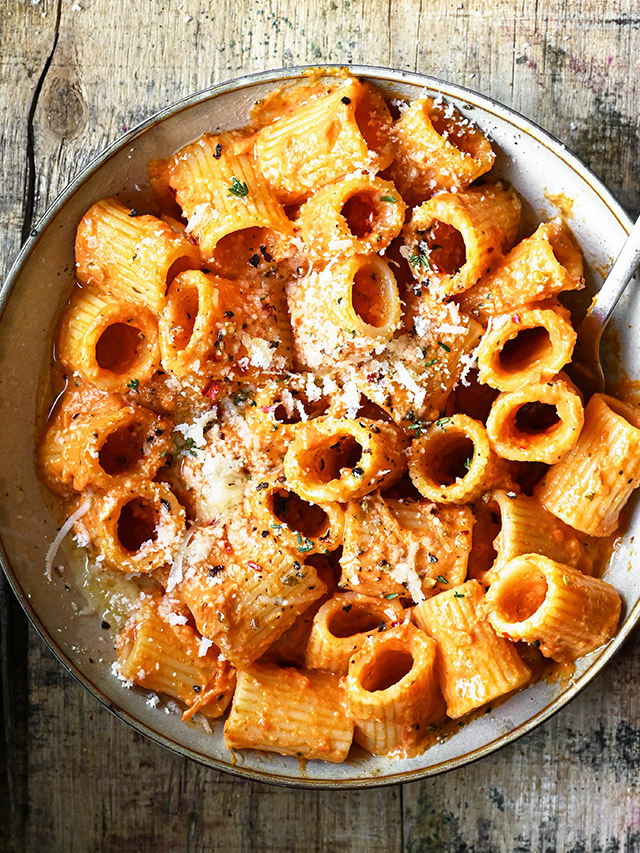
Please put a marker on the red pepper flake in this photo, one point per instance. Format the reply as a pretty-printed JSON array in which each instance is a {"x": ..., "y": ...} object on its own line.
[
  {"x": 372, "y": 377},
  {"x": 211, "y": 390},
  {"x": 515, "y": 318},
  {"x": 254, "y": 566}
]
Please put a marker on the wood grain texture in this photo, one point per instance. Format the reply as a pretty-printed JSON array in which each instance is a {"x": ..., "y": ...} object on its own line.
[{"x": 74, "y": 74}]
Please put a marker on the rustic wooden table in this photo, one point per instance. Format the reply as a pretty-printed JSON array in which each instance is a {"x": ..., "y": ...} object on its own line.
[{"x": 74, "y": 74}]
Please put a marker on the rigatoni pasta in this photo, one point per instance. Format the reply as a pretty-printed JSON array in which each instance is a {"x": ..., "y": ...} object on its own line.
[{"x": 272, "y": 428}]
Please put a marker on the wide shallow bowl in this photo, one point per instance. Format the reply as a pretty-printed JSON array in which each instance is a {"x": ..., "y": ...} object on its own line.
[{"x": 537, "y": 165}]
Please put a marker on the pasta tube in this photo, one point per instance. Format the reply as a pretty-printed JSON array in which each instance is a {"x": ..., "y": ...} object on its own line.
[
  {"x": 435, "y": 149},
  {"x": 111, "y": 343},
  {"x": 452, "y": 462},
  {"x": 246, "y": 590},
  {"x": 538, "y": 423},
  {"x": 454, "y": 238},
  {"x": 358, "y": 215},
  {"x": 231, "y": 210},
  {"x": 474, "y": 665},
  {"x": 340, "y": 314},
  {"x": 136, "y": 527},
  {"x": 129, "y": 256},
  {"x": 310, "y": 527},
  {"x": 591, "y": 484},
  {"x": 324, "y": 140},
  {"x": 538, "y": 268},
  {"x": 527, "y": 528},
  {"x": 160, "y": 651},
  {"x": 392, "y": 678},
  {"x": 529, "y": 346},
  {"x": 408, "y": 549},
  {"x": 565, "y": 613},
  {"x": 277, "y": 709},
  {"x": 115, "y": 446},
  {"x": 341, "y": 626},
  {"x": 334, "y": 459}
]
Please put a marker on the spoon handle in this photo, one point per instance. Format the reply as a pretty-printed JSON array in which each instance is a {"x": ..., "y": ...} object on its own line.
[{"x": 622, "y": 270}]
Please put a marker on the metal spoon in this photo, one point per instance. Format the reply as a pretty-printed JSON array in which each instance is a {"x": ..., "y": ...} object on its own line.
[{"x": 586, "y": 369}]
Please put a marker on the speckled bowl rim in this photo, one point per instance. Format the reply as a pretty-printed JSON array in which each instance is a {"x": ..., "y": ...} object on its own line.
[{"x": 279, "y": 76}]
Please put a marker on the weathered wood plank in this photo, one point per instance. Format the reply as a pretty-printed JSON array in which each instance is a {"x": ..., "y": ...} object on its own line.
[
  {"x": 573, "y": 784},
  {"x": 95, "y": 784},
  {"x": 28, "y": 37}
]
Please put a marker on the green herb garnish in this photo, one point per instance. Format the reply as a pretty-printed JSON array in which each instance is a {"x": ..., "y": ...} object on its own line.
[
  {"x": 305, "y": 544},
  {"x": 239, "y": 189}
]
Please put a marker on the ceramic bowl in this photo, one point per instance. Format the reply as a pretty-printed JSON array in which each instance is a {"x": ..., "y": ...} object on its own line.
[{"x": 537, "y": 165}]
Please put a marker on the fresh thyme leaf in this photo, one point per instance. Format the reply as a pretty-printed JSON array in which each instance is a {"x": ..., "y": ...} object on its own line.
[
  {"x": 134, "y": 384},
  {"x": 388, "y": 198},
  {"x": 305, "y": 544},
  {"x": 239, "y": 189},
  {"x": 420, "y": 260}
]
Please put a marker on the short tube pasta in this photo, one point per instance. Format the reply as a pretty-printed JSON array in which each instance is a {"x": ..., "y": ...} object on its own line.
[
  {"x": 412, "y": 549},
  {"x": 324, "y": 140},
  {"x": 435, "y": 149},
  {"x": 112, "y": 344},
  {"x": 115, "y": 446},
  {"x": 230, "y": 209},
  {"x": 129, "y": 256},
  {"x": 591, "y": 484},
  {"x": 454, "y": 238},
  {"x": 334, "y": 459},
  {"x": 160, "y": 651},
  {"x": 245, "y": 590},
  {"x": 526, "y": 527},
  {"x": 341, "y": 626},
  {"x": 312, "y": 528},
  {"x": 538, "y": 268},
  {"x": 357, "y": 215},
  {"x": 340, "y": 314},
  {"x": 278, "y": 709},
  {"x": 136, "y": 527},
  {"x": 392, "y": 678},
  {"x": 530, "y": 346},
  {"x": 539, "y": 422},
  {"x": 565, "y": 613},
  {"x": 193, "y": 323},
  {"x": 474, "y": 665},
  {"x": 452, "y": 462}
]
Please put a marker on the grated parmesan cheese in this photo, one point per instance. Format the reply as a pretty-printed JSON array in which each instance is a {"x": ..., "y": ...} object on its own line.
[
  {"x": 204, "y": 646},
  {"x": 53, "y": 549},
  {"x": 195, "y": 430},
  {"x": 196, "y": 217},
  {"x": 406, "y": 574}
]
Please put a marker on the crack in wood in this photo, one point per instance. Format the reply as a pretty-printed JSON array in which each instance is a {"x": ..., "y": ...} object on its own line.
[{"x": 30, "y": 174}]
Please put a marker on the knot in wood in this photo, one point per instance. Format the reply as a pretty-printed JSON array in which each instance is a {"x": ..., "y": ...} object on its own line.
[{"x": 65, "y": 109}]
